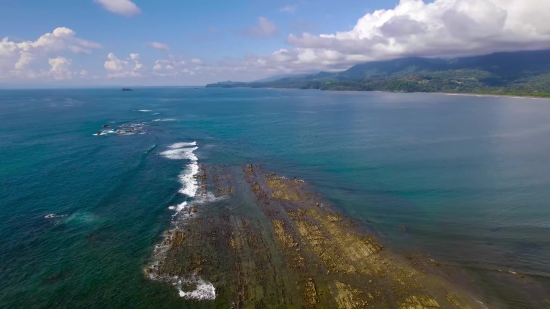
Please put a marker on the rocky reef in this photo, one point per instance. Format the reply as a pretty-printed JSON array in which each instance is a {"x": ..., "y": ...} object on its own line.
[{"x": 273, "y": 242}]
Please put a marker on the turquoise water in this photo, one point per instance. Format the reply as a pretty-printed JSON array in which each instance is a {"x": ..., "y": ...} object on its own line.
[{"x": 466, "y": 176}]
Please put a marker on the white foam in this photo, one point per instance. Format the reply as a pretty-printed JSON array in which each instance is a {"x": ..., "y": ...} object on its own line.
[
  {"x": 188, "y": 181},
  {"x": 180, "y": 154},
  {"x": 187, "y": 178},
  {"x": 150, "y": 148},
  {"x": 52, "y": 216},
  {"x": 104, "y": 132},
  {"x": 209, "y": 197},
  {"x": 144, "y": 110},
  {"x": 165, "y": 119},
  {"x": 181, "y": 206},
  {"x": 182, "y": 145},
  {"x": 204, "y": 290}
]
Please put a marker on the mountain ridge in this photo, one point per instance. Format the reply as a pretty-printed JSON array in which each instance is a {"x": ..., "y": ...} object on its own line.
[{"x": 523, "y": 73}]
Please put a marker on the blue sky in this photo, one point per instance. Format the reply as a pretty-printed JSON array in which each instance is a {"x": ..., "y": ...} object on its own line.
[
  {"x": 168, "y": 42},
  {"x": 180, "y": 23}
]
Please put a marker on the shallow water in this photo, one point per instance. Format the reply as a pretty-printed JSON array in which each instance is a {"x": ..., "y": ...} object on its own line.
[{"x": 462, "y": 178}]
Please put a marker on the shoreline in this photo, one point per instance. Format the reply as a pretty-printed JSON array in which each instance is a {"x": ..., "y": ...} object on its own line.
[
  {"x": 400, "y": 92},
  {"x": 483, "y": 95}
]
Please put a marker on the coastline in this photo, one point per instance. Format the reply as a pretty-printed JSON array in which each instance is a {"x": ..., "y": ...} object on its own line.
[
  {"x": 514, "y": 96},
  {"x": 480, "y": 95}
]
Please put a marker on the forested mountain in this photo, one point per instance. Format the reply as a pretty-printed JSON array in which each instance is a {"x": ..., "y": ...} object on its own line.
[{"x": 512, "y": 73}]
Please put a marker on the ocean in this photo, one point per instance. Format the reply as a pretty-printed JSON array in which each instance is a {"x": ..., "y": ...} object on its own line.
[{"x": 91, "y": 178}]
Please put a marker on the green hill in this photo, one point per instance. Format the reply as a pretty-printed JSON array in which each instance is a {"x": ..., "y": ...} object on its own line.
[{"x": 525, "y": 73}]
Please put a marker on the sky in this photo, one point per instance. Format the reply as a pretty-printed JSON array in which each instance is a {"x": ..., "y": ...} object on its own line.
[{"x": 179, "y": 42}]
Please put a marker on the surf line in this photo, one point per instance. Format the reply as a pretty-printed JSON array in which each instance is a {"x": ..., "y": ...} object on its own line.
[{"x": 203, "y": 290}]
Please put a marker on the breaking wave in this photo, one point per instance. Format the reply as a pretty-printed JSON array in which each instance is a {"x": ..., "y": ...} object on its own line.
[
  {"x": 192, "y": 287},
  {"x": 180, "y": 154},
  {"x": 181, "y": 145},
  {"x": 203, "y": 290},
  {"x": 151, "y": 149},
  {"x": 187, "y": 178}
]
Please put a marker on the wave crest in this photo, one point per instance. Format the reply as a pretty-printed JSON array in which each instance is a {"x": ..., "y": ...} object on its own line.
[{"x": 180, "y": 154}]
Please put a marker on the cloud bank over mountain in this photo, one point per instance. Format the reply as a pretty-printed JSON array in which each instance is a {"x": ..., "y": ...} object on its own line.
[{"x": 444, "y": 28}]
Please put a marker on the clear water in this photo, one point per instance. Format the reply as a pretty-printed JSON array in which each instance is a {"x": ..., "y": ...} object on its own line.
[{"x": 467, "y": 177}]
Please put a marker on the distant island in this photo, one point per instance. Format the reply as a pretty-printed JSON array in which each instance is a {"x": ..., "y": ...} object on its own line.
[
  {"x": 126, "y": 89},
  {"x": 525, "y": 73}
]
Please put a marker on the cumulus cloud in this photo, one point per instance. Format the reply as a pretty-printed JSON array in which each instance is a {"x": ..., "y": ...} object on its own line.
[
  {"x": 282, "y": 61},
  {"x": 159, "y": 46},
  {"x": 441, "y": 28},
  {"x": 60, "y": 68},
  {"x": 130, "y": 67},
  {"x": 121, "y": 7},
  {"x": 171, "y": 66},
  {"x": 263, "y": 29},
  {"x": 288, "y": 8},
  {"x": 176, "y": 66},
  {"x": 16, "y": 59}
]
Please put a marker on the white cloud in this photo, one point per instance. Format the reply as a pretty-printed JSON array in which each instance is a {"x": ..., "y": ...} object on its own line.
[
  {"x": 16, "y": 59},
  {"x": 60, "y": 68},
  {"x": 130, "y": 67},
  {"x": 441, "y": 28},
  {"x": 264, "y": 28},
  {"x": 122, "y": 7},
  {"x": 196, "y": 61},
  {"x": 171, "y": 66},
  {"x": 135, "y": 58},
  {"x": 159, "y": 46},
  {"x": 288, "y": 9}
]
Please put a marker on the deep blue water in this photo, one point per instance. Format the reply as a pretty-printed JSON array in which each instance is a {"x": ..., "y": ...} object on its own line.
[{"x": 468, "y": 177}]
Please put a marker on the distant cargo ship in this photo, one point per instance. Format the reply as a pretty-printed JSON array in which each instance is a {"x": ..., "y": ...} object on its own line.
[{"x": 126, "y": 89}]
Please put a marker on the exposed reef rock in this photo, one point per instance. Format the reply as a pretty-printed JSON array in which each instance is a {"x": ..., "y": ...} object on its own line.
[{"x": 274, "y": 243}]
